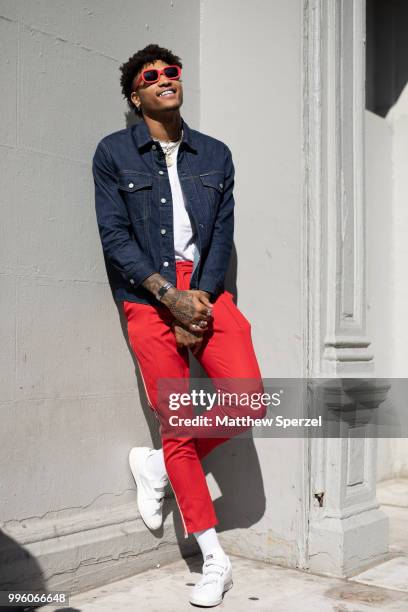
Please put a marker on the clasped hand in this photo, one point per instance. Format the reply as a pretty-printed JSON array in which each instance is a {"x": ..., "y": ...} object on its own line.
[{"x": 192, "y": 311}]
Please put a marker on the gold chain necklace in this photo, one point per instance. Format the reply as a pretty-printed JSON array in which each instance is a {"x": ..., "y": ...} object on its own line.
[{"x": 169, "y": 148}]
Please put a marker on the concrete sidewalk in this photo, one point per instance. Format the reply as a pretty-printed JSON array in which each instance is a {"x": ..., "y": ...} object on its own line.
[
  {"x": 261, "y": 586},
  {"x": 257, "y": 586}
]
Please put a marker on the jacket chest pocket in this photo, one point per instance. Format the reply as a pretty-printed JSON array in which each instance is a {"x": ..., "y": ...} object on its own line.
[
  {"x": 135, "y": 190},
  {"x": 213, "y": 185}
]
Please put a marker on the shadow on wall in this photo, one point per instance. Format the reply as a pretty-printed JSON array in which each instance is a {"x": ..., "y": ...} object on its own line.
[
  {"x": 19, "y": 570},
  {"x": 386, "y": 53},
  {"x": 234, "y": 464}
]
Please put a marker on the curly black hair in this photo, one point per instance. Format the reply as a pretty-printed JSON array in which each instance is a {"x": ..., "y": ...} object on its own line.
[{"x": 148, "y": 55}]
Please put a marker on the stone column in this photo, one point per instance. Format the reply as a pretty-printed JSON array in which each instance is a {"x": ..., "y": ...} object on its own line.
[{"x": 347, "y": 530}]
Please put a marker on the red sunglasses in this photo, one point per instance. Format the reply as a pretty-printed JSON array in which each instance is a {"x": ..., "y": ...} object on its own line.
[{"x": 152, "y": 75}]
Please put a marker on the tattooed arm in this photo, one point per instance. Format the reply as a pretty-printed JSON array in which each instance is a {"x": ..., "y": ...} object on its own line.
[{"x": 191, "y": 307}]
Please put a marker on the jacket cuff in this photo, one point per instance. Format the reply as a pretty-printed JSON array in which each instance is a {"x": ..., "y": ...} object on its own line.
[
  {"x": 140, "y": 273},
  {"x": 213, "y": 287}
]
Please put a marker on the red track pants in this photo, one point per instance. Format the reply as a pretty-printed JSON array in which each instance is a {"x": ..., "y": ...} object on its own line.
[{"x": 226, "y": 353}]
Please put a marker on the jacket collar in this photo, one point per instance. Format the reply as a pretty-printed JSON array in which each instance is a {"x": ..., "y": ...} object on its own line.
[{"x": 143, "y": 138}]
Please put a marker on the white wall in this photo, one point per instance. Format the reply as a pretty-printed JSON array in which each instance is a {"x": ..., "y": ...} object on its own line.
[
  {"x": 380, "y": 295},
  {"x": 397, "y": 119},
  {"x": 70, "y": 404},
  {"x": 70, "y": 398},
  {"x": 379, "y": 233},
  {"x": 387, "y": 243},
  {"x": 387, "y": 231},
  {"x": 251, "y": 99}
]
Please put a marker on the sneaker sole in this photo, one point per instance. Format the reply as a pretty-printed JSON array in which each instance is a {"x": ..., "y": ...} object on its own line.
[{"x": 227, "y": 587}]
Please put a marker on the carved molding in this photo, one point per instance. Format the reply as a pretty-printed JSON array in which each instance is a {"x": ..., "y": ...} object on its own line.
[
  {"x": 334, "y": 101},
  {"x": 346, "y": 528}
]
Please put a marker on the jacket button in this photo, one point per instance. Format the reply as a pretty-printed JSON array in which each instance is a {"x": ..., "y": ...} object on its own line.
[
  {"x": 163, "y": 231},
  {"x": 132, "y": 282},
  {"x": 154, "y": 147},
  {"x": 161, "y": 172},
  {"x": 163, "y": 200},
  {"x": 131, "y": 185},
  {"x": 221, "y": 185},
  {"x": 165, "y": 264}
]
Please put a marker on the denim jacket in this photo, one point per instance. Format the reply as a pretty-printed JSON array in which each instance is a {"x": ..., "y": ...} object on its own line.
[{"x": 134, "y": 209}]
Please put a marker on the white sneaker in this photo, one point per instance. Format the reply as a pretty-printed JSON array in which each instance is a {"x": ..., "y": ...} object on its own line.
[
  {"x": 150, "y": 491},
  {"x": 216, "y": 579}
]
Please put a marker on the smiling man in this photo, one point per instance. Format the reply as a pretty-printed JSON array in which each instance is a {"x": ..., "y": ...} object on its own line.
[{"x": 165, "y": 212}]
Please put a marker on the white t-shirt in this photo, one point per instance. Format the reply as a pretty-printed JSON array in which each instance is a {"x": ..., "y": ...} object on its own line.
[{"x": 183, "y": 230}]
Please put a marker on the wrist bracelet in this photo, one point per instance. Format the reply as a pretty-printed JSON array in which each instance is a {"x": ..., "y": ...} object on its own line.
[{"x": 163, "y": 289}]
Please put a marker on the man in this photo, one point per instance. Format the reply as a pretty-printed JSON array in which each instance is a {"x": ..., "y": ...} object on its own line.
[{"x": 165, "y": 211}]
